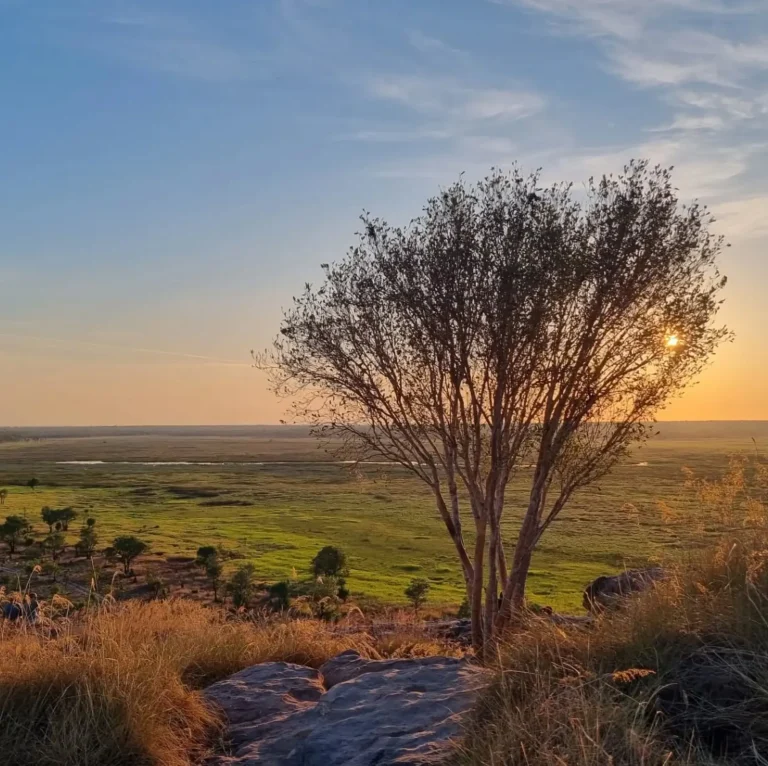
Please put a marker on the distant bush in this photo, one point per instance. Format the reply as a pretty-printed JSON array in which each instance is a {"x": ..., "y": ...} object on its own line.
[
  {"x": 241, "y": 585},
  {"x": 127, "y": 548},
  {"x": 417, "y": 592},
  {"x": 330, "y": 562},
  {"x": 280, "y": 596},
  {"x": 55, "y": 544},
  {"x": 214, "y": 571},
  {"x": 157, "y": 585},
  {"x": 88, "y": 540},
  {"x": 58, "y": 517},
  {"x": 13, "y": 531},
  {"x": 204, "y": 552}
]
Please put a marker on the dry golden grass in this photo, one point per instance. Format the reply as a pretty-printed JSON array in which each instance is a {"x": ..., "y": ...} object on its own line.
[
  {"x": 679, "y": 677},
  {"x": 120, "y": 687}
]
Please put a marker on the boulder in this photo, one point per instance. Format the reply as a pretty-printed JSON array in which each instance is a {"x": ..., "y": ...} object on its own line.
[
  {"x": 403, "y": 712},
  {"x": 608, "y": 590}
]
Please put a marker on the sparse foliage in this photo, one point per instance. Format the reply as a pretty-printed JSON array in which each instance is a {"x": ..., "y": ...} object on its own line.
[
  {"x": 65, "y": 515},
  {"x": 88, "y": 541},
  {"x": 417, "y": 593},
  {"x": 241, "y": 585},
  {"x": 54, "y": 544},
  {"x": 127, "y": 548},
  {"x": 510, "y": 325},
  {"x": 13, "y": 531},
  {"x": 49, "y": 516},
  {"x": 213, "y": 571},
  {"x": 52, "y": 569},
  {"x": 58, "y": 518}
]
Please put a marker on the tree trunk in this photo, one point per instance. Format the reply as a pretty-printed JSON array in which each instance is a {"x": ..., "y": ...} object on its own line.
[
  {"x": 491, "y": 593},
  {"x": 513, "y": 597},
  {"x": 456, "y": 536},
  {"x": 476, "y": 602}
]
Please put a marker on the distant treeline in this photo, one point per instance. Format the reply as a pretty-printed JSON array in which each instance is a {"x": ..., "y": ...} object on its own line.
[
  {"x": 73, "y": 432},
  {"x": 693, "y": 429}
]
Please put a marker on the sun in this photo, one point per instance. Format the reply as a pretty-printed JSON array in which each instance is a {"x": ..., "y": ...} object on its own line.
[{"x": 672, "y": 341}]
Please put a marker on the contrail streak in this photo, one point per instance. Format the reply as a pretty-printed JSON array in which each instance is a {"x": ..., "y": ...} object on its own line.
[{"x": 114, "y": 347}]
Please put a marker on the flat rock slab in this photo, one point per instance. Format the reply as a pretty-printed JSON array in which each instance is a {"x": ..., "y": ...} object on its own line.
[{"x": 405, "y": 712}]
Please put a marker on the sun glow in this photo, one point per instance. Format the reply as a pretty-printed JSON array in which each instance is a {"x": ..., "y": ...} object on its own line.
[{"x": 672, "y": 341}]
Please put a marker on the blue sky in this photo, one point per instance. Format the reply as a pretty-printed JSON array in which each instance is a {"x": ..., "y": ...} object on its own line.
[{"x": 174, "y": 171}]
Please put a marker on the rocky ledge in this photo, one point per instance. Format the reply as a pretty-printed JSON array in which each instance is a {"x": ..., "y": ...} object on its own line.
[{"x": 351, "y": 712}]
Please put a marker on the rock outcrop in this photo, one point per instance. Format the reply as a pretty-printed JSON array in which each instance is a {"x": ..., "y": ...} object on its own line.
[
  {"x": 607, "y": 591},
  {"x": 352, "y": 712}
]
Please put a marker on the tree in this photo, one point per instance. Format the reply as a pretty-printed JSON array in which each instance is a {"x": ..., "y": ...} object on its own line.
[
  {"x": 417, "y": 593},
  {"x": 89, "y": 539},
  {"x": 55, "y": 543},
  {"x": 330, "y": 562},
  {"x": 510, "y": 325},
  {"x": 3, "y": 495},
  {"x": 241, "y": 585},
  {"x": 13, "y": 531},
  {"x": 127, "y": 548},
  {"x": 90, "y": 522},
  {"x": 65, "y": 515},
  {"x": 50, "y": 516},
  {"x": 204, "y": 553},
  {"x": 32, "y": 483},
  {"x": 280, "y": 596},
  {"x": 213, "y": 571},
  {"x": 52, "y": 569}
]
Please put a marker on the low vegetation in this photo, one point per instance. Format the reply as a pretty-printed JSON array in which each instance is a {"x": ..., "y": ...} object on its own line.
[
  {"x": 119, "y": 686},
  {"x": 678, "y": 677}
]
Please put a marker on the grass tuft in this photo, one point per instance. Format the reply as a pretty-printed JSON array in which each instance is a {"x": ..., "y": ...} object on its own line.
[
  {"x": 122, "y": 686},
  {"x": 679, "y": 677}
]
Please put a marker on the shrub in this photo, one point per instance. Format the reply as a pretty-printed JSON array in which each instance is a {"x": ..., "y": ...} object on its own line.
[
  {"x": 88, "y": 541},
  {"x": 157, "y": 585},
  {"x": 55, "y": 543},
  {"x": 65, "y": 516},
  {"x": 204, "y": 553},
  {"x": 13, "y": 531},
  {"x": 330, "y": 562},
  {"x": 241, "y": 585},
  {"x": 417, "y": 592},
  {"x": 280, "y": 596},
  {"x": 213, "y": 571},
  {"x": 127, "y": 548},
  {"x": 52, "y": 569}
]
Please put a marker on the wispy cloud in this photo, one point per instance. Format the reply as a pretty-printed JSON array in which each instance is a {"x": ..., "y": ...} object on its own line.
[
  {"x": 455, "y": 100},
  {"x": 428, "y": 45},
  {"x": 708, "y": 62}
]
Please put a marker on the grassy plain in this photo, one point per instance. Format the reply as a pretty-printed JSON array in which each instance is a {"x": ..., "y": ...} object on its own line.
[{"x": 271, "y": 495}]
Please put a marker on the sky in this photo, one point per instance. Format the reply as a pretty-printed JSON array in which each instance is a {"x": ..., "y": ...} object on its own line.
[{"x": 173, "y": 172}]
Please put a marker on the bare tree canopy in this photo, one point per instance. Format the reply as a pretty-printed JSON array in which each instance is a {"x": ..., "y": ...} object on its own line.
[{"x": 511, "y": 328}]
